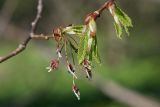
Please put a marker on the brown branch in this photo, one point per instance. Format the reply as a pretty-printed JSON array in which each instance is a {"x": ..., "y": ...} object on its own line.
[
  {"x": 36, "y": 20},
  {"x": 23, "y": 45},
  {"x": 43, "y": 37},
  {"x": 105, "y": 6}
]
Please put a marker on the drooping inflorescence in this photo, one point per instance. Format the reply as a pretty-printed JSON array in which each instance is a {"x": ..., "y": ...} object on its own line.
[{"x": 82, "y": 41}]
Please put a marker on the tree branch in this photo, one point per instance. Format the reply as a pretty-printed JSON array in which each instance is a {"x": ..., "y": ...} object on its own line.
[
  {"x": 23, "y": 45},
  {"x": 105, "y": 6},
  {"x": 34, "y": 24},
  {"x": 38, "y": 16}
]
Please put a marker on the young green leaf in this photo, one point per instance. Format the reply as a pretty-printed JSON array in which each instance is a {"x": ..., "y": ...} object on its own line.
[
  {"x": 118, "y": 30},
  {"x": 72, "y": 54},
  {"x": 73, "y": 47},
  {"x": 95, "y": 53},
  {"x": 124, "y": 20},
  {"x": 123, "y": 17},
  {"x": 82, "y": 48},
  {"x": 91, "y": 51},
  {"x": 75, "y": 30},
  {"x": 92, "y": 27}
]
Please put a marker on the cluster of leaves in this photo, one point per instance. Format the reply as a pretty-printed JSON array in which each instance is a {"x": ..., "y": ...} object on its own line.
[
  {"x": 82, "y": 40},
  {"x": 88, "y": 47},
  {"x": 82, "y": 32},
  {"x": 122, "y": 20}
]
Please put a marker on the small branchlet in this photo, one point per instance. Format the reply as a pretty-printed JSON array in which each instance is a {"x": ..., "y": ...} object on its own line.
[
  {"x": 87, "y": 48},
  {"x": 82, "y": 40}
]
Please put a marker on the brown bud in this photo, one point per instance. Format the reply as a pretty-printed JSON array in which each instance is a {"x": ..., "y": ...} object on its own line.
[
  {"x": 92, "y": 27},
  {"x": 91, "y": 16},
  {"x": 88, "y": 72},
  {"x": 71, "y": 70},
  {"x": 110, "y": 3},
  {"x": 57, "y": 34},
  {"x": 87, "y": 68},
  {"x": 76, "y": 91},
  {"x": 53, "y": 65}
]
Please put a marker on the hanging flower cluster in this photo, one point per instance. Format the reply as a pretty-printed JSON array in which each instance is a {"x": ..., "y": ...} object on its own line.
[{"x": 81, "y": 41}]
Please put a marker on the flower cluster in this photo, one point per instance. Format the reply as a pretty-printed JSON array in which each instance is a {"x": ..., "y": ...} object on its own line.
[{"x": 53, "y": 65}]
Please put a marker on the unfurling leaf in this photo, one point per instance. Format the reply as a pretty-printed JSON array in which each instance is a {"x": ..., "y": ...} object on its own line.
[
  {"x": 75, "y": 29},
  {"x": 95, "y": 53},
  {"x": 123, "y": 17},
  {"x": 73, "y": 47},
  {"x": 90, "y": 41},
  {"x": 82, "y": 48},
  {"x": 92, "y": 28},
  {"x": 118, "y": 29},
  {"x": 122, "y": 20}
]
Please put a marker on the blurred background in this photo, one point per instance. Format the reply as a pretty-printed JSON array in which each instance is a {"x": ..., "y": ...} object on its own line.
[{"x": 130, "y": 71}]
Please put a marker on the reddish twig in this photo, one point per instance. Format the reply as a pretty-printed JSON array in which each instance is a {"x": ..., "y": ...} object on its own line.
[
  {"x": 43, "y": 37},
  {"x": 105, "y": 6},
  {"x": 23, "y": 45}
]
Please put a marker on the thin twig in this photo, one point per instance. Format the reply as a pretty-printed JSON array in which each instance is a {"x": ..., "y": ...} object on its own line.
[
  {"x": 36, "y": 20},
  {"x": 105, "y": 6},
  {"x": 23, "y": 45},
  {"x": 43, "y": 37}
]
